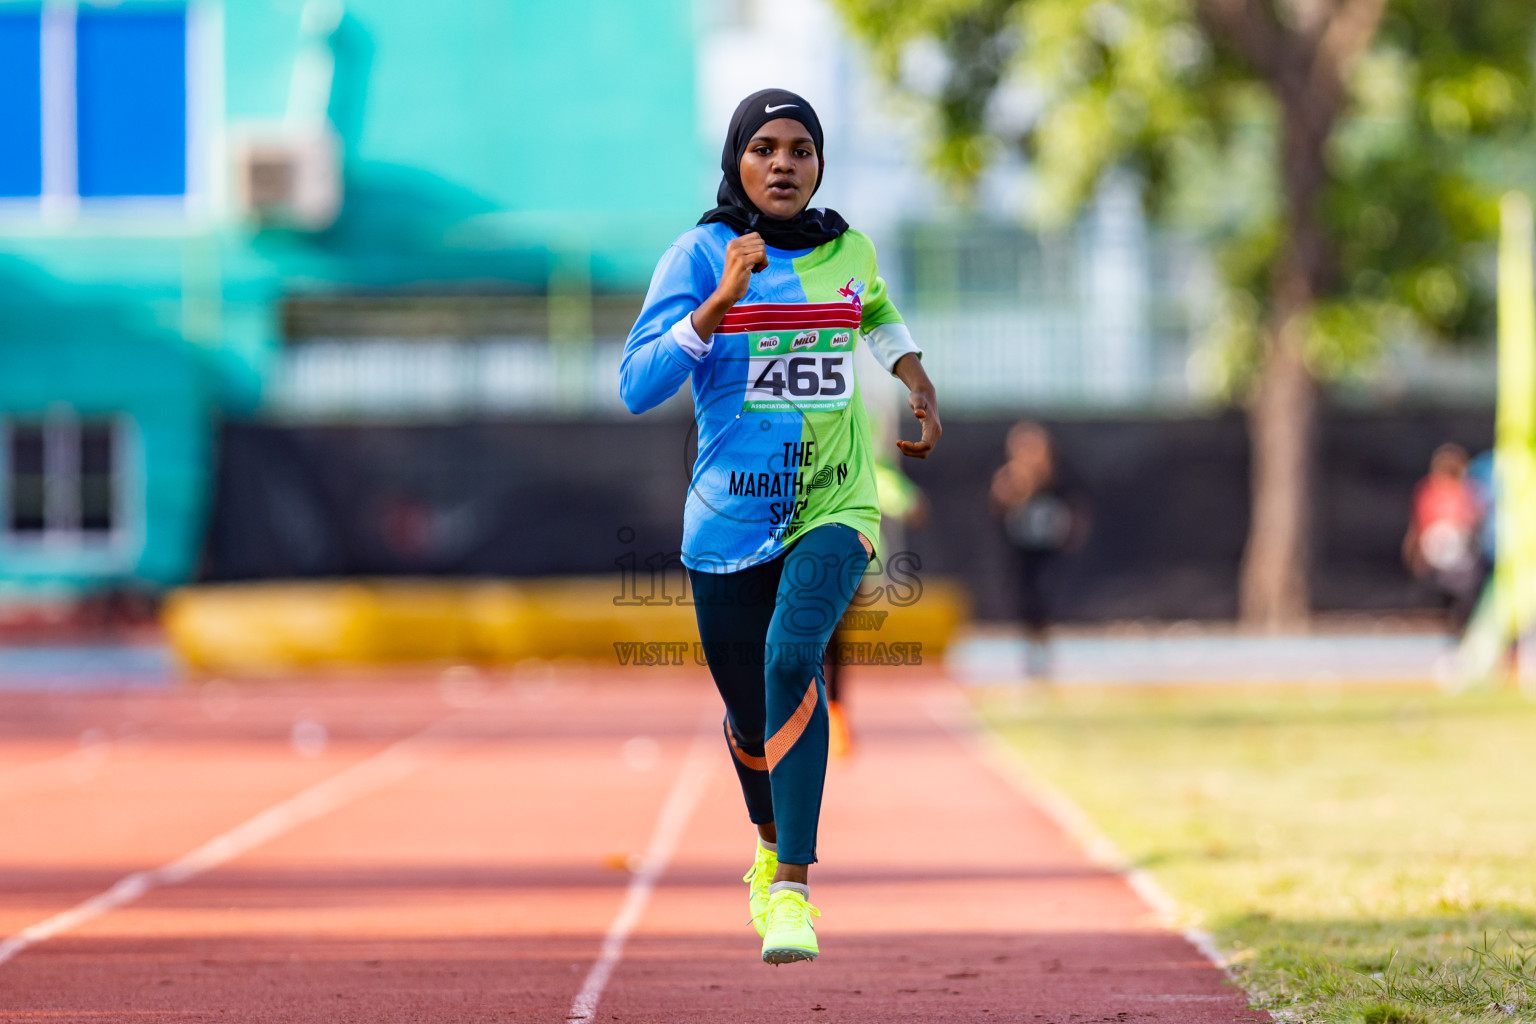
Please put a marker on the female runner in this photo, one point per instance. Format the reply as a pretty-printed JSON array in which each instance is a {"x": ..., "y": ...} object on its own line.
[{"x": 761, "y": 306}]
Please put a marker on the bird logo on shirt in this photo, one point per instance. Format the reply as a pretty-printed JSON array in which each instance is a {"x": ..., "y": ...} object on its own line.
[{"x": 852, "y": 291}]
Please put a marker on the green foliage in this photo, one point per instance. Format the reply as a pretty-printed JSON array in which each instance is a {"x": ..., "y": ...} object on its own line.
[
  {"x": 1437, "y": 104},
  {"x": 1388, "y": 1013}
]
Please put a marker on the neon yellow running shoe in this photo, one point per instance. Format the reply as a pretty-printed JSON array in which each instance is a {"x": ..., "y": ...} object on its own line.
[
  {"x": 789, "y": 935},
  {"x": 758, "y": 878}
]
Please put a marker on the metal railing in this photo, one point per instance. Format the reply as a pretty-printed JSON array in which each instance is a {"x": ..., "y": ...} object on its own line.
[{"x": 1100, "y": 319}]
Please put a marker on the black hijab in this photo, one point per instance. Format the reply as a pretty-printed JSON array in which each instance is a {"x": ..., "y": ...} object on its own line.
[{"x": 806, "y": 229}]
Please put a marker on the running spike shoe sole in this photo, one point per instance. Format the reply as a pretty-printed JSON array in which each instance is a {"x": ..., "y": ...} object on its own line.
[{"x": 788, "y": 955}]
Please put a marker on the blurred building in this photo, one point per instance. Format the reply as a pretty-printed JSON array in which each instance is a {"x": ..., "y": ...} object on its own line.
[
  {"x": 306, "y": 209},
  {"x": 326, "y": 288}
]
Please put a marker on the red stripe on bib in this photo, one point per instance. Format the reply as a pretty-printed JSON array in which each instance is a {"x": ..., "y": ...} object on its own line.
[{"x": 784, "y": 316}]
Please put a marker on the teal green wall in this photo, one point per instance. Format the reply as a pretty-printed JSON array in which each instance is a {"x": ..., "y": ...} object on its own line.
[
  {"x": 103, "y": 355},
  {"x": 486, "y": 142},
  {"x": 479, "y": 135}
]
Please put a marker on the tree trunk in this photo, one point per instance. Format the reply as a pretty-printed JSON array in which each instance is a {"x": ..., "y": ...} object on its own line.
[{"x": 1275, "y": 590}]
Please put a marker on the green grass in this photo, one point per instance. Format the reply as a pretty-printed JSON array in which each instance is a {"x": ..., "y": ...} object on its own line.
[{"x": 1362, "y": 856}]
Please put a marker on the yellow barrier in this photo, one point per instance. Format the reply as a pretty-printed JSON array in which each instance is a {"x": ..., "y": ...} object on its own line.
[{"x": 258, "y": 628}]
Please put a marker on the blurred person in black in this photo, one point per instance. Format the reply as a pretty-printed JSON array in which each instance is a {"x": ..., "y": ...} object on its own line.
[{"x": 1043, "y": 514}]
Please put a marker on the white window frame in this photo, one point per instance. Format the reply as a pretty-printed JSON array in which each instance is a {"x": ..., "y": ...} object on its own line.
[
  {"x": 61, "y": 533},
  {"x": 60, "y": 209}
]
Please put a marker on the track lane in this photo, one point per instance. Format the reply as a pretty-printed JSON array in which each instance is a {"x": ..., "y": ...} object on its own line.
[
  {"x": 174, "y": 778},
  {"x": 455, "y": 894},
  {"x": 946, "y": 896},
  {"x": 481, "y": 886}
]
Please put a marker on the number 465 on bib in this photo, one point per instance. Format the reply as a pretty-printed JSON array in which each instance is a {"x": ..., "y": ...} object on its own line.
[{"x": 815, "y": 381}]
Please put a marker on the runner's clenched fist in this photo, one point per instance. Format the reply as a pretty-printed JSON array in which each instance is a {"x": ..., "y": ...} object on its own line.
[{"x": 745, "y": 255}]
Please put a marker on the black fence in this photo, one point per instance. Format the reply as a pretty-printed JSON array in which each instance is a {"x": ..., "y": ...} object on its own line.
[{"x": 1168, "y": 504}]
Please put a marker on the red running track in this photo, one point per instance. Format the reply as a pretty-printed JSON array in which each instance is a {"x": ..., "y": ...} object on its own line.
[{"x": 473, "y": 873}]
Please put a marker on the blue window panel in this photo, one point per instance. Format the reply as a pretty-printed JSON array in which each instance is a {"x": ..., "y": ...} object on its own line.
[
  {"x": 21, "y": 103},
  {"x": 131, "y": 101}
]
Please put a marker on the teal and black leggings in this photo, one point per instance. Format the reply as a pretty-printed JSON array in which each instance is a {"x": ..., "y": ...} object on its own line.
[{"x": 764, "y": 631}]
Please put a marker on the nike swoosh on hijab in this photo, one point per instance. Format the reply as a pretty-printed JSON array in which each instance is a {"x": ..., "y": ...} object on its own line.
[{"x": 782, "y": 106}]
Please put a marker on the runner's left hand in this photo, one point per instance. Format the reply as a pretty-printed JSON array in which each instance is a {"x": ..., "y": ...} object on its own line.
[{"x": 925, "y": 408}]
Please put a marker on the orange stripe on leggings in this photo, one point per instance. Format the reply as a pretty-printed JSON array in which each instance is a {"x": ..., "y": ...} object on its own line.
[
  {"x": 757, "y": 764},
  {"x": 779, "y": 743}
]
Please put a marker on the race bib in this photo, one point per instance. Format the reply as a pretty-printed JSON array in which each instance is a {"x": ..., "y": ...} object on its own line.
[{"x": 810, "y": 370}]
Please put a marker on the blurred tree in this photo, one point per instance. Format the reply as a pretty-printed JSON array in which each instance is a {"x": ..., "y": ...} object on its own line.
[{"x": 1342, "y": 154}]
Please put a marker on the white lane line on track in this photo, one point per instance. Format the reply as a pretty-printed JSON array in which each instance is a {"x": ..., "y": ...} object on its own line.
[
  {"x": 684, "y": 797},
  {"x": 1008, "y": 763},
  {"x": 389, "y": 765}
]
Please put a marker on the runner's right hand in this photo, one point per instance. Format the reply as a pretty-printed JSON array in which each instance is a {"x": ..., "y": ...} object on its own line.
[{"x": 744, "y": 256}]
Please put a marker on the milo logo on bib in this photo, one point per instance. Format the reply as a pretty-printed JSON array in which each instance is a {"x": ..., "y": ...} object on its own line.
[{"x": 816, "y": 374}]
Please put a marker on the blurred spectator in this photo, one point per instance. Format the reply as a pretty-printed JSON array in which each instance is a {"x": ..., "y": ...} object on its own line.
[
  {"x": 1043, "y": 514},
  {"x": 1443, "y": 544}
]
